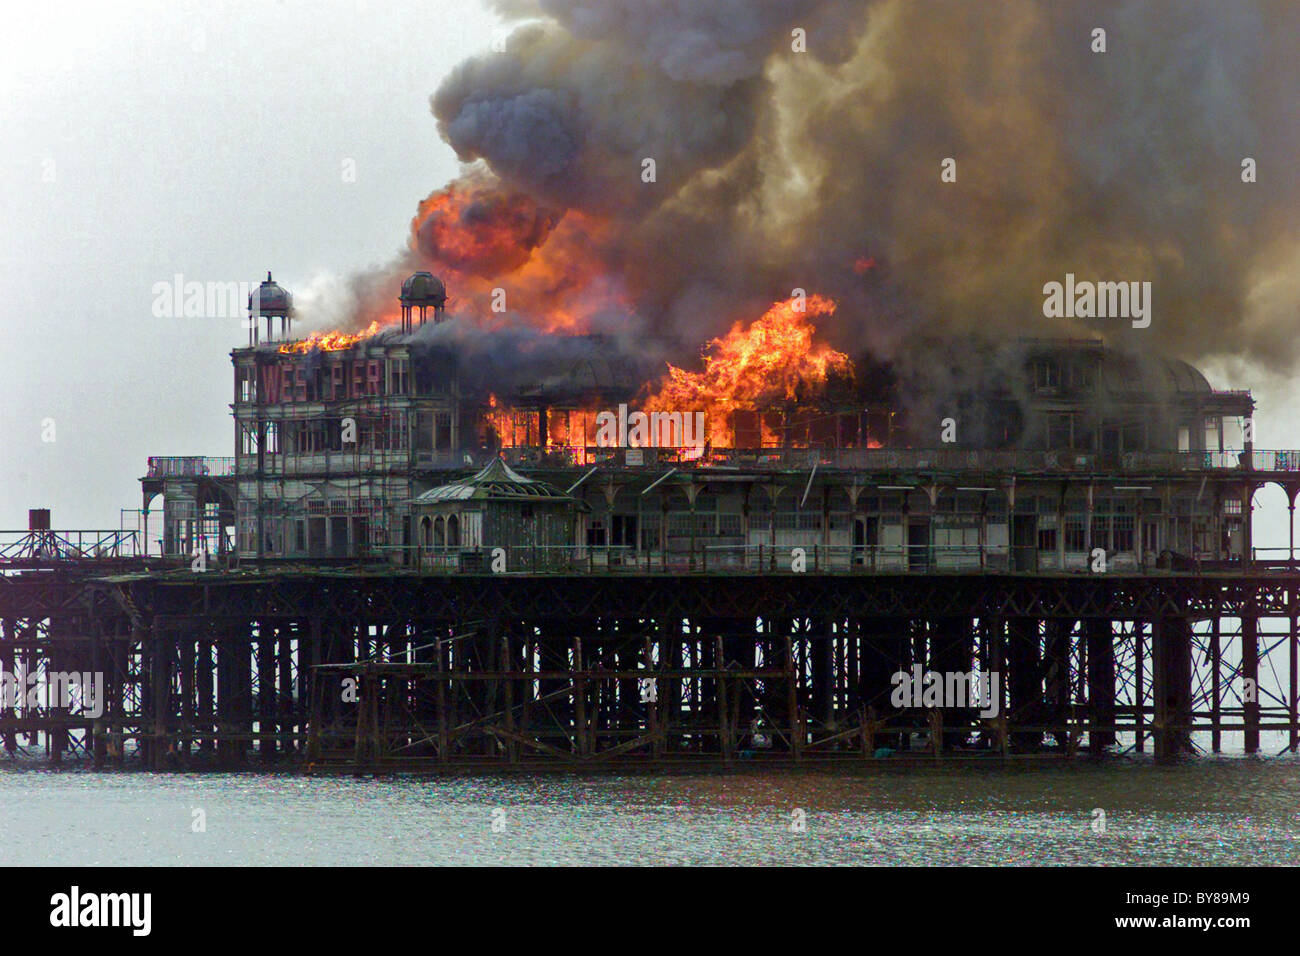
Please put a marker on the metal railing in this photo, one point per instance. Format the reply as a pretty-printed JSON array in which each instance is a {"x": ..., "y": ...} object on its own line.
[
  {"x": 1276, "y": 460},
  {"x": 191, "y": 466},
  {"x": 763, "y": 558},
  {"x": 1235, "y": 460},
  {"x": 43, "y": 546},
  {"x": 1275, "y": 557},
  {"x": 865, "y": 459},
  {"x": 914, "y": 459},
  {"x": 703, "y": 558}
]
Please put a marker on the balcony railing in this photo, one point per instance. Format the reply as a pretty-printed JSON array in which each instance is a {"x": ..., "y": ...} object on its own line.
[
  {"x": 1258, "y": 460},
  {"x": 191, "y": 466},
  {"x": 760, "y": 558},
  {"x": 913, "y": 459},
  {"x": 863, "y": 459}
]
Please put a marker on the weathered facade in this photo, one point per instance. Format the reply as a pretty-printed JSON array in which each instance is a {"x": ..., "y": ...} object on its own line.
[
  {"x": 1078, "y": 449},
  {"x": 495, "y": 509}
]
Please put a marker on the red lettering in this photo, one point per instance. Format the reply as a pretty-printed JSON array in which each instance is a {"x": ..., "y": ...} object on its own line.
[{"x": 269, "y": 384}]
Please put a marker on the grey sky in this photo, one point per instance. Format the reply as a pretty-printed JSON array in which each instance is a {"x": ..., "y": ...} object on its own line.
[
  {"x": 142, "y": 140},
  {"x": 205, "y": 139}
]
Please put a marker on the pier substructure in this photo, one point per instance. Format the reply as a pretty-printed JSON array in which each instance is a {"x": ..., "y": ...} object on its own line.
[{"x": 375, "y": 672}]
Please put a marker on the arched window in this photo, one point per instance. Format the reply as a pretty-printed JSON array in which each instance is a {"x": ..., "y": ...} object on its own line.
[
  {"x": 453, "y": 532},
  {"x": 426, "y": 531},
  {"x": 439, "y": 532}
]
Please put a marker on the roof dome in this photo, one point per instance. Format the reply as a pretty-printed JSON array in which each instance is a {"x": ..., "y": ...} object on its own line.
[
  {"x": 1185, "y": 377},
  {"x": 1125, "y": 372},
  {"x": 424, "y": 288},
  {"x": 270, "y": 299},
  {"x": 496, "y": 482}
]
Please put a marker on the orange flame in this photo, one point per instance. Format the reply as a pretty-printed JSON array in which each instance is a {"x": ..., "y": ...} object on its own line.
[
  {"x": 474, "y": 229},
  {"x": 771, "y": 360},
  {"x": 748, "y": 375},
  {"x": 330, "y": 341},
  {"x": 479, "y": 238}
]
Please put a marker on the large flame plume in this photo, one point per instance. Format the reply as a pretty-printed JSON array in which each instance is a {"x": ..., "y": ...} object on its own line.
[
  {"x": 506, "y": 257},
  {"x": 788, "y": 136},
  {"x": 768, "y": 362}
]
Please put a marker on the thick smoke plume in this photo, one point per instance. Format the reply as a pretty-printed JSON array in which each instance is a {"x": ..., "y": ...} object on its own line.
[{"x": 778, "y": 168}]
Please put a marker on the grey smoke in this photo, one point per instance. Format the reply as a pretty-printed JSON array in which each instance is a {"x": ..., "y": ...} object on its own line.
[
  {"x": 779, "y": 170},
  {"x": 1123, "y": 164}
]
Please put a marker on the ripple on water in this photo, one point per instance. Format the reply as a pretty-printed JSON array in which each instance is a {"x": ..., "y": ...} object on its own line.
[{"x": 1228, "y": 811}]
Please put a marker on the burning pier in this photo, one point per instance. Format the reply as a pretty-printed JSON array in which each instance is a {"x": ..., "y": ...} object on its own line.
[{"x": 424, "y": 556}]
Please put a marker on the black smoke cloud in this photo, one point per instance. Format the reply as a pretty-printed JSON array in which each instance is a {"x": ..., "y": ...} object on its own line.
[{"x": 779, "y": 169}]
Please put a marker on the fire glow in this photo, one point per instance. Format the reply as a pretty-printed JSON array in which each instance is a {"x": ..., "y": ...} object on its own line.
[
  {"x": 772, "y": 360},
  {"x": 734, "y": 401},
  {"x": 501, "y": 253},
  {"x": 624, "y": 429},
  {"x": 507, "y": 259},
  {"x": 331, "y": 341}
]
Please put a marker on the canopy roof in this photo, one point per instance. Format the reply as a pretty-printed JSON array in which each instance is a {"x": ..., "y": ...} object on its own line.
[{"x": 497, "y": 482}]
